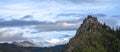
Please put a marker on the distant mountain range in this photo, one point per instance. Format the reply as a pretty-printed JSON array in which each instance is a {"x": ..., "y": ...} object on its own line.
[
  {"x": 5, "y": 47},
  {"x": 91, "y": 36},
  {"x": 25, "y": 44}
]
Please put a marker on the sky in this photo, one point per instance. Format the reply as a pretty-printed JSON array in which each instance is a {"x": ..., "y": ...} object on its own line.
[{"x": 52, "y": 22}]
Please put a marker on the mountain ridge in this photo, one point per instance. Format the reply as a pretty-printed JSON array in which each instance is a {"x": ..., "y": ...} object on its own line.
[{"x": 25, "y": 44}]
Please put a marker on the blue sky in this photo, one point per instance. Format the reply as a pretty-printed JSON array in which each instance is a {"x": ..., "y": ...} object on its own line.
[{"x": 51, "y": 22}]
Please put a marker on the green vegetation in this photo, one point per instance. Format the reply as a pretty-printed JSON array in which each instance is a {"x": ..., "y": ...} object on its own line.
[{"x": 93, "y": 36}]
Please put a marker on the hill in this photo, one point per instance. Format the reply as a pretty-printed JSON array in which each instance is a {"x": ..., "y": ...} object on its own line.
[{"x": 92, "y": 36}]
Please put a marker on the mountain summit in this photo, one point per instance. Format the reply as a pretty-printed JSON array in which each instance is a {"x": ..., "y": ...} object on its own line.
[{"x": 92, "y": 36}]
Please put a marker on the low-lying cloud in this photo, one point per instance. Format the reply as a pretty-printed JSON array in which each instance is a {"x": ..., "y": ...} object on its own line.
[{"x": 54, "y": 41}]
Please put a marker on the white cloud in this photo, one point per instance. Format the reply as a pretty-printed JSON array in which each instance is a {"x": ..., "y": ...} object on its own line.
[
  {"x": 54, "y": 42},
  {"x": 67, "y": 24}
]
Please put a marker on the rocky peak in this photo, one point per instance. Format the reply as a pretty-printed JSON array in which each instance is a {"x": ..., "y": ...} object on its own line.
[{"x": 89, "y": 22}]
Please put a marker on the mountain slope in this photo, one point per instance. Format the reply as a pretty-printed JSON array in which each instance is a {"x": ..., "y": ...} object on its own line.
[{"x": 92, "y": 36}]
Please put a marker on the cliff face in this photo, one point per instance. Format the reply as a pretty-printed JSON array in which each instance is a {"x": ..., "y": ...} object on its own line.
[{"x": 92, "y": 36}]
